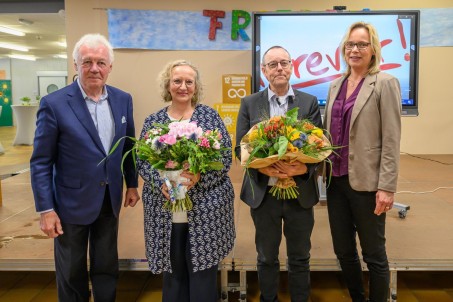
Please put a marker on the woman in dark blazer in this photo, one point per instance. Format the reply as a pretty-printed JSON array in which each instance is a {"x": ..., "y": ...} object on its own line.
[{"x": 363, "y": 114}]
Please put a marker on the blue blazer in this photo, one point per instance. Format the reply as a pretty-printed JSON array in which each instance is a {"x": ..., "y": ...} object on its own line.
[
  {"x": 255, "y": 108},
  {"x": 66, "y": 170}
]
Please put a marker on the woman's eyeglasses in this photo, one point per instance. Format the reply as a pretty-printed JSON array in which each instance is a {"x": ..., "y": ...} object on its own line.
[
  {"x": 178, "y": 82},
  {"x": 360, "y": 45}
]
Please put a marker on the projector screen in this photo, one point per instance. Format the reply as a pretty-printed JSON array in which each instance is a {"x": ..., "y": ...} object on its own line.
[{"x": 313, "y": 41}]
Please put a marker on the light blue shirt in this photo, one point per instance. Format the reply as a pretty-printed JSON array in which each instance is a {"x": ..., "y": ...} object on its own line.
[
  {"x": 279, "y": 104},
  {"x": 102, "y": 117}
]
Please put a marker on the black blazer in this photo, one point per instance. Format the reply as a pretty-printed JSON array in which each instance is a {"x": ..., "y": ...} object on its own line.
[{"x": 255, "y": 108}]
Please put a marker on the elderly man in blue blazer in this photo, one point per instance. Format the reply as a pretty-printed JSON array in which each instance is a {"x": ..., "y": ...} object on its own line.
[
  {"x": 267, "y": 211},
  {"x": 77, "y": 186}
]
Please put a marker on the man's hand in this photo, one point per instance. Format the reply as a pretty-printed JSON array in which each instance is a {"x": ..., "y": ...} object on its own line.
[
  {"x": 50, "y": 224},
  {"x": 384, "y": 202},
  {"x": 291, "y": 168},
  {"x": 272, "y": 171},
  {"x": 131, "y": 197}
]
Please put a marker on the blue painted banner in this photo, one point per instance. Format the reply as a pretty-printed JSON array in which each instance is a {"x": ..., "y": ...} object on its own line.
[
  {"x": 171, "y": 30},
  {"x": 436, "y": 27},
  {"x": 190, "y": 30}
]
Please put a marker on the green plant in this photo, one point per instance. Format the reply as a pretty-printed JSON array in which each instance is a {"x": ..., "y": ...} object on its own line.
[{"x": 25, "y": 100}]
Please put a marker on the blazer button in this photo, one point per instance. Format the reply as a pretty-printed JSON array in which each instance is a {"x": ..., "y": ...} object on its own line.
[
  {"x": 351, "y": 156},
  {"x": 102, "y": 183}
]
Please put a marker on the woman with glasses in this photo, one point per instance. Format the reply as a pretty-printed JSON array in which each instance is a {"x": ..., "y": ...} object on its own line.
[
  {"x": 363, "y": 115},
  {"x": 188, "y": 246}
]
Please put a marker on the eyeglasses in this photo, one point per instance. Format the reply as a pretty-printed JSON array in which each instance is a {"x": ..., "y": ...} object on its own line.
[
  {"x": 178, "y": 83},
  {"x": 360, "y": 45},
  {"x": 284, "y": 64},
  {"x": 88, "y": 64}
]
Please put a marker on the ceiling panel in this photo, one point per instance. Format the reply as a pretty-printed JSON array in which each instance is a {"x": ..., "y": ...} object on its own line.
[{"x": 41, "y": 37}]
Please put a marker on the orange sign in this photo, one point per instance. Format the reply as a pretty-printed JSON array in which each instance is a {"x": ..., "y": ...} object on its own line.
[
  {"x": 229, "y": 114},
  {"x": 235, "y": 87}
]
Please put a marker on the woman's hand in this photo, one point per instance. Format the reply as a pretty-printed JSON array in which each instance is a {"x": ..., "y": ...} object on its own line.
[
  {"x": 192, "y": 179},
  {"x": 165, "y": 191},
  {"x": 384, "y": 202}
]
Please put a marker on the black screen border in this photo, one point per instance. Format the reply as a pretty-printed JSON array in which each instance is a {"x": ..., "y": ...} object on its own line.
[{"x": 407, "y": 110}]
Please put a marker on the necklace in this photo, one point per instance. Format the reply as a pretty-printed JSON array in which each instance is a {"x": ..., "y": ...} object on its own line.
[
  {"x": 186, "y": 114},
  {"x": 352, "y": 83}
]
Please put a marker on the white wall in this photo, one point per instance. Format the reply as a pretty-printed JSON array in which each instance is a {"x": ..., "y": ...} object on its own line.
[
  {"x": 5, "y": 64},
  {"x": 24, "y": 80}
]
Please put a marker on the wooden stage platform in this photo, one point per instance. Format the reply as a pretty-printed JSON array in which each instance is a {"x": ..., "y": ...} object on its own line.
[{"x": 422, "y": 241}]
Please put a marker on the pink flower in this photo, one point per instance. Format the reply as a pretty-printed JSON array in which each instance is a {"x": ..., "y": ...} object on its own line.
[
  {"x": 168, "y": 139},
  {"x": 204, "y": 142},
  {"x": 184, "y": 129},
  {"x": 216, "y": 145},
  {"x": 171, "y": 164}
]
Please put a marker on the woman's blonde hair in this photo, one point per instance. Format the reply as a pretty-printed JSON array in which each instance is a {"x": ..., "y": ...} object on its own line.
[
  {"x": 375, "y": 45},
  {"x": 165, "y": 77}
]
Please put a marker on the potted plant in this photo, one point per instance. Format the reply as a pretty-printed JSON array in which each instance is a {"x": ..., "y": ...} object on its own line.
[{"x": 25, "y": 101}]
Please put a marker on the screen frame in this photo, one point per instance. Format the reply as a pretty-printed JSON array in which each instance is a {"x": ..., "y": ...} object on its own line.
[{"x": 407, "y": 110}]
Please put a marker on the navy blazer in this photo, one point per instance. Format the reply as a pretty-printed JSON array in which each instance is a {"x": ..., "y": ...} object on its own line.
[
  {"x": 67, "y": 171},
  {"x": 255, "y": 108}
]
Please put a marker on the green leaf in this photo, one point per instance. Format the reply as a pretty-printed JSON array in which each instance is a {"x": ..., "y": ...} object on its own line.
[
  {"x": 282, "y": 146},
  {"x": 216, "y": 165},
  {"x": 291, "y": 116}
]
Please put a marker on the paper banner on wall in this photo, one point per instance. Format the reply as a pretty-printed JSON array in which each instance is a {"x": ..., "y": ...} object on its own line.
[
  {"x": 177, "y": 30},
  {"x": 235, "y": 87},
  {"x": 191, "y": 30},
  {"x": 229, "y": 115},
  {"x": 436, "y": 27},
  {"x": 6, "y": 117}
]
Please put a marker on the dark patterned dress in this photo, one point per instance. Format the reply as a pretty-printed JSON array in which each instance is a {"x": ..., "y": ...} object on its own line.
[{"x": 211, "y": 221}]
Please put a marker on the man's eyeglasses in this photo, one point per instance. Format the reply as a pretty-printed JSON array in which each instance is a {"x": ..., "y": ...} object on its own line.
[
  {"x": 284, "y": 64},
  {"x": 178, "y": 82},
  {"x": 360, "y": 45}
]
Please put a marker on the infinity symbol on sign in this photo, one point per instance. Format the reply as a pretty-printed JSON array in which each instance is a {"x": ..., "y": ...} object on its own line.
[{"x": 236, "y": 93}]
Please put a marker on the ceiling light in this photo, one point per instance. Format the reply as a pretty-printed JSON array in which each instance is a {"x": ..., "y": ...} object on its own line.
[
  {"x": 62, "y": 44},
  {"x": 11, "y": 31},
  {"x": 61, "y": 56},
  {"x": 25, "y": 22},
  {"x": 12, "y": 46},
  {"x": 62, "y": 13},
  {"x": 22, "y": 57}
]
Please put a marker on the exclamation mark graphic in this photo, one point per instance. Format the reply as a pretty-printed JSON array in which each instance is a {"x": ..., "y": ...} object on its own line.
[{"x": 407, "y": 56}]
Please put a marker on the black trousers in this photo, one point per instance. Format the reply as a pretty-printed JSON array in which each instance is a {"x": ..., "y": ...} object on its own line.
[
  {"x": 297, "y": 224},
  {"x": 352, "y": 212},
  {"x": 184, "y": 285},
  {"x": 71, "y": 258}
]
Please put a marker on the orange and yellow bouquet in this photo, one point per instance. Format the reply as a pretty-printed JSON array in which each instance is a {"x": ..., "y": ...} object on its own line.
[{"x": 284, "y": 138}]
